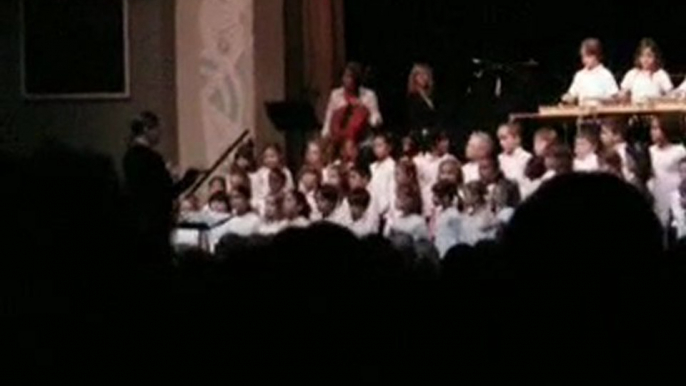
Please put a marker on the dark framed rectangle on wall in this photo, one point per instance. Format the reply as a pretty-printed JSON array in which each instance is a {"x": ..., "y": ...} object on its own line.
[{"x": 74, "y": 49}]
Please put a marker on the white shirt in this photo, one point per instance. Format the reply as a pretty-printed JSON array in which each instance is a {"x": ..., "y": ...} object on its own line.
[
  {"x": 381, "y": 184},
  {"x": 366, "y": 225},
  {"x": 413, "y": 225},
  {"x": 645, "y": 85},
  {"x": 665, "y": 176},
  {"x": 299, "y": 222},
  {"x": 244, "y": 226},
  {"x": 427, "y": 174},
  {"x": 311, "y": 198},
  {"x": 620, "y": 148},
  {"x": 448, "y": 229},
  {"x": 529, "y": 187},
  {"x": 470, "y": 172},
  {"x": 678, "y": 215},
  {"x": 270, "y": 228},
  {"x": 260, "y": 183},
  {"x": 513, "y": 165},
  {"x": 340, "y": 216},
  {"x": 337, "y": 101},
  {"x": 586, "y": 164},
  {"x": 590, "y": 85},
  {"x": 477, "y": 226}
]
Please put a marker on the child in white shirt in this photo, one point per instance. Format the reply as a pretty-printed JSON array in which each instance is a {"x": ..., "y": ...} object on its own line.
[
  {"x": 309, "y": 183},
  {"x": 666, "y": 154},
  {"x": 477, "y": 218},
  {"x": 514, "y": 158},
  {"x": 613, "y": 137},
  {"x": 245, "y": 222},
  {"x": 428, "y": 167},
  {"x": 382, "y": 171},
  {"x": 446, "y": 222},
  {"x": 331, "y": 207},
  {"x": 272, "y": 159},
  {"x": 219, "y": 203},
  {"x": 272, "y": 220},
  {"x": 479, "y": 146},
  {"x": 544, "y": 138},
  {"x": 314, "y": 155},
  {"x": 450, "y": 171},
  {"x": 585, "y": 147},
  {"x": 647, "y": 80},
  {"x": 593, "y": 84},
  {"x": 409, "y": 220},
  {"x": 296, "y": 210},
  {"x": 362, "y": 221}
]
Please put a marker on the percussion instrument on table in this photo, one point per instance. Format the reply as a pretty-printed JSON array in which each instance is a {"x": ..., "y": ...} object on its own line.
[{"x": 561, "y": 112}]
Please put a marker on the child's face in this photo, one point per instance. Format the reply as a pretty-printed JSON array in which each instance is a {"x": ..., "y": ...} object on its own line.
[
  {"x": 656, "y": 133},
  {"x": 219, "y": 207},
  {"x": 357, "y": 212},
  {"x": 325, "y": 206},
  {"x": 290, "y": 206},
  {"x": 508, "y": 141},
  {"x": 477, "y": 149},
  {"x": 242, "y": 163},
  {"x": 448, "y": 172},
  {"x": 236, "y": 180},
  {"x": 350, "y": 151},
  {"x": 356, "y": 181},
  {"x": 607, "y": 137},
  {"x": 239, "y": 203},
  {"x": 334, "y": 177},
  {"x": 271, "y": 159},
  {"x": 401, "y": 178},
  {"x": 271, "y": 209},
  {"x": 381, "y": 149},
  {"x": 313, "y": 155},
  {"x": 217, "y": 186},
  {"x": 276, "y": 184},
  {"x": 583, "y": 147},
  {"x": 309, "y": 181},
  {"x": 488, "y": 172},
  {"x": 443, "y": 147},
  {"x": 408, "y": 145},
  {"x": 541, "y": 145},
  {"x": 588, "y": 60},
  {"x": 647, "y": 59}
]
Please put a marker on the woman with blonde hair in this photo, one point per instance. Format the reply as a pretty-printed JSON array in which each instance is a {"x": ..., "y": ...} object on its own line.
[{"x": 421, "y": 107}]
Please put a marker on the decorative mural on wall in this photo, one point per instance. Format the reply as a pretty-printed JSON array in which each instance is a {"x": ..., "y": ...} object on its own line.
[{"x": 227, "y": 94}]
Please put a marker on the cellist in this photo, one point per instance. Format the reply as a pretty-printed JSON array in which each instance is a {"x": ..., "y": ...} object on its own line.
[{"x": 351, "y": 108}]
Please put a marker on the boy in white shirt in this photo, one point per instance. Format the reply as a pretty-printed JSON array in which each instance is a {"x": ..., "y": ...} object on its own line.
[
  {"x": 383, "y": 173},
  {"x": 479, "y": 147},
  {"x": 585, "y": 147},
  {"x": 272, "y": 159},
  {"x": 296, "y": 210},
  {"x": 613, "y": 137},
  {"x": 362, "y": 221},
  {"x": 647, "y": 80},
  {"x": 245, "y": 222},
  {"x": 428, "y": 167},
  {"x": 514, "y": 158},
  {"x": 594, "y": 83},
  {"x": 272, "y": 220},
  {"x": 331, "y": 207},
  {"x": 446, "y": 223}
]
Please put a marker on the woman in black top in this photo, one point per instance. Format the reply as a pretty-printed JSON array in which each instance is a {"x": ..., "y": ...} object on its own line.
[{"x": 422, "y": 115}]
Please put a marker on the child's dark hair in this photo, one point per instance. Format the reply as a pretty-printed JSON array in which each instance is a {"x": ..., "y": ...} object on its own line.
[
  {"x": 589, "y": 135},
  {"x": 329, "y": 193},
  {"x": 247, "y": 152},
  {"x": 279, "y": 174},
  {"x": 611, "y": 159},
  {"x": 361, "y": 170},
  {"x": 243, "y": 191},
  {"x": 385, "y": 136},
  {"x": 671, "y": 126},
  {"x": 535, "y": 168},
  {"x": 477, "y": 189},
  {"x": 444, "y": 189},
  {"x": 300, "y": 198},
  {"x": 411, "y": 193},
  {"x": 145, "y": 121},
  {"x": 616, "y": 125},
  {"x": 221, "y": 197},
  {"x": 310, "y": 170},
  {"x": 359, "y": 197},
  {"x": 563, "y": 157}
]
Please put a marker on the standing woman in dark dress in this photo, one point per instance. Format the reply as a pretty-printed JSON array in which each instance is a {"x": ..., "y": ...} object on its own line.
[
  {"x": 151, "y": 189},
  {"x": 422, "y": 114}
]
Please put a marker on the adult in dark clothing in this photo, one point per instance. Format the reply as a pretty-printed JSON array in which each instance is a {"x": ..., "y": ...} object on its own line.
[
  {"x": 151, "y": 188},
  {"x": 421, "y": 108}
]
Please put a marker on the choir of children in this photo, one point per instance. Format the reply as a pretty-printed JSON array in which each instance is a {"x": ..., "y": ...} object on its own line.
[{"x": 431, "y": 196}]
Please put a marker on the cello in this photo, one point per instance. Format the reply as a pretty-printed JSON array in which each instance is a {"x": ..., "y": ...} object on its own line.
[{"x": 350, "y": 121}]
